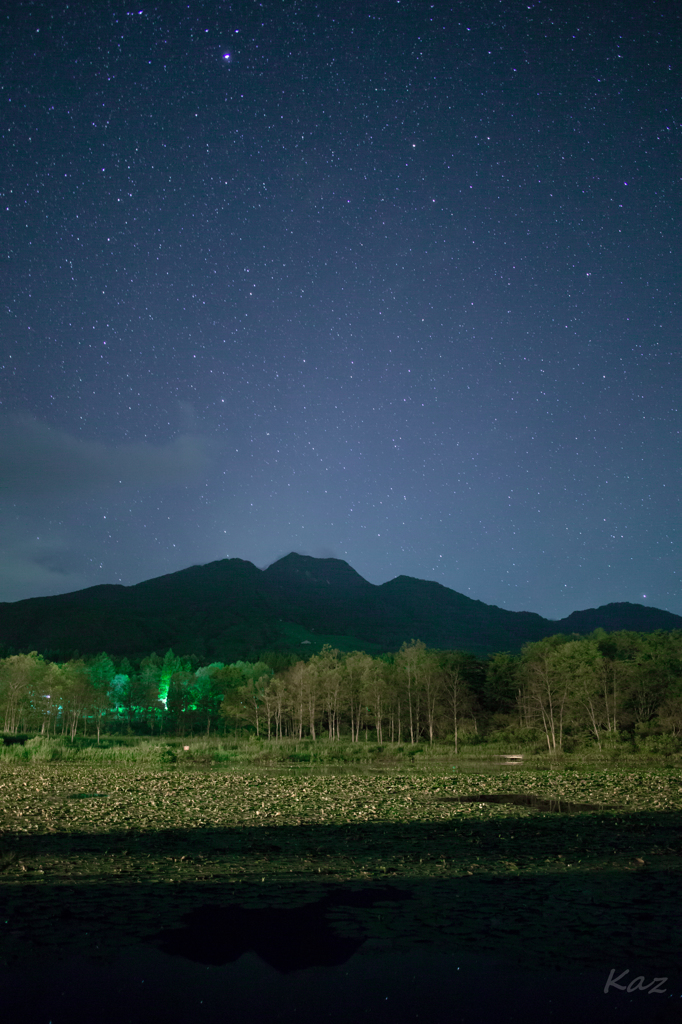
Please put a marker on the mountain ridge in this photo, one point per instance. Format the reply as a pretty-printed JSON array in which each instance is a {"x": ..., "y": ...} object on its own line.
[{"x": 229, "y": 609}]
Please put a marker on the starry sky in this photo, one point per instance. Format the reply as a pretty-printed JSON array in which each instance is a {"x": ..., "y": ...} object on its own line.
[{"x": 393, "y": 282}]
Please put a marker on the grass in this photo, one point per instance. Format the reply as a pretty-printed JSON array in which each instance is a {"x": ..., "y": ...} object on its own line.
[
  {"x": 236, "y": 751},
  {"x": 253, "y": 751}
]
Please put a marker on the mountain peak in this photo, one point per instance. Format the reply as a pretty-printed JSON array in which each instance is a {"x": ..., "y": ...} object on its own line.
[
  {"x": 295, "y": 568},
  {"x": 619, "y": 615}
]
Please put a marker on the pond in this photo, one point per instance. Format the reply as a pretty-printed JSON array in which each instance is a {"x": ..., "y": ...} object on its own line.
[
  {"x": 225, "y": 962},
  {"x": 433, "y": 767},
  {"x": 338, "y": 893}
]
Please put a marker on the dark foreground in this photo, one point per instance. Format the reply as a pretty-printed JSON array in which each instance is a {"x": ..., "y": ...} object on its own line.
[{"x": 426, "y": 910}]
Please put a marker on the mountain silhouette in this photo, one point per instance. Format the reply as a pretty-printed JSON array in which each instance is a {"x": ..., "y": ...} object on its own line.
[{"x": 230, "y": 609}]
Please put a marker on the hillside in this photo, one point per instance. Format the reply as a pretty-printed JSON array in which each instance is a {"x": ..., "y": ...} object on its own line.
[{"x": 230, "y": 609}]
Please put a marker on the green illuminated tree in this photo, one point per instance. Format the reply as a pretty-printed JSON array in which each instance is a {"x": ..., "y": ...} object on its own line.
[{"x": 148, "y": 688}]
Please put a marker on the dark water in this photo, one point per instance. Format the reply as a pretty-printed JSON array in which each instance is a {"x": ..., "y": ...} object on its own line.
[
  {"x": 425, "y": 767},
  {"x": 288, "y": 939},
  {"x": 352, "y": 954},
  {"x": 421, "y": 985}
]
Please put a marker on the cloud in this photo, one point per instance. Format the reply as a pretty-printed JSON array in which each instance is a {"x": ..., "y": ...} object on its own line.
[
  {"x": 38, "y": 460},
  {"x": 37, "y": 567}
]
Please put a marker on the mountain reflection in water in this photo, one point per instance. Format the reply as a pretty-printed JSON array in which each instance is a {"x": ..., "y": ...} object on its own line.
[{"x": 288, "y": 939}]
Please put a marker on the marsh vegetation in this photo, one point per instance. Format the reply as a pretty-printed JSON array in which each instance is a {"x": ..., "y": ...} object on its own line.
[{"x": 119, "y": 849}]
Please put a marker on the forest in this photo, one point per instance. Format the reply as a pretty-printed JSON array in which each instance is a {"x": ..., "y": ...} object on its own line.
[{"x": 562, "y": 693}]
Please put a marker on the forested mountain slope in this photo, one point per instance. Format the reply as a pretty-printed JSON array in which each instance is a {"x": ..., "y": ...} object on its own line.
[{"x": 230, "y": 609}]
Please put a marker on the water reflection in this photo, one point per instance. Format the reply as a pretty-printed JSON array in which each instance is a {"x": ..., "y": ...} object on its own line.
[
  {"x": 457, "y": 951},
  {"x": 431, "y": 767},
  {"x": 288, "y": 939},
  {"x": 144, "y": 985}
]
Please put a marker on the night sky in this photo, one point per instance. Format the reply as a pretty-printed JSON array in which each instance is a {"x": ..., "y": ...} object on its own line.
[{"x": 393, "y": 282}]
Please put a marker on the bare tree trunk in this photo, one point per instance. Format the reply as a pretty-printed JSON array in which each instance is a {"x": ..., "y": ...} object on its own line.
[
  {"x": 409, "y": 701},
  {"x": 593, "y": 721},
  {"x": 311, "y": 710}
]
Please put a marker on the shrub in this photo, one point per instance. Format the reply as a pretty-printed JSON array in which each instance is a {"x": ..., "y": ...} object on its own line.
[{"x": 664, "y": 744}]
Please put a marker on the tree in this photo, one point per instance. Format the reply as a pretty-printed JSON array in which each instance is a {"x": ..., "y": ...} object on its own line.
[
  {"x": 580, "y": 663},
  {"x": 101, "y": 673},
  {"x": 208, "y": 692},
  {"x": 325, "y": 677},
  {"x": 149, "y": 686},
  {"x": 170, "y": 664},
  {"x": 178, "y": 698},
  {"x": 374, "y": 692},
  {"x": 432, "y": 680},
  {"x": 77, "y": 691},
  {"x": 295, "y": 683},
  {"x": 48, "y": 701},
  {"x": 276, "y": 661},
  {"x": 670, "y": 714},
  {"x": 100, "y": 706},
  {"x": 275, "y": 699},
  {"x": 357, "y": 667},
  {"x": 253, "y": 696},
  {"x": 230, "y": 680},
  {"x": 410, "y": 662},
  {"x": 394, "y": 697},
  {"x": 500, "y": 688},
  {"x": 20, "y": 674},
  {"x": 613, "y": 678},
  {"x": 546, "y": 688},
  {"x": 120, "y": 689},
  {"x": 459, "y": 697},
  {"x": 656, "y": 668}
]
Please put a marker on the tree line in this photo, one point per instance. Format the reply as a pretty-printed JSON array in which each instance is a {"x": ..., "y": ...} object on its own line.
[{"x": 595, "y": 686}]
